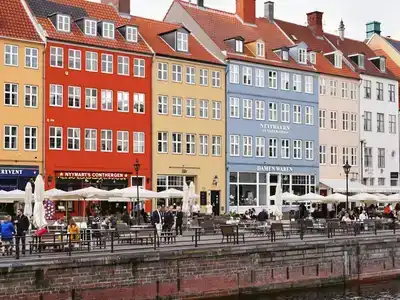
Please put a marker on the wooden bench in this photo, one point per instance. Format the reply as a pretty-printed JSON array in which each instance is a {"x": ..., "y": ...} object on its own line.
[
  {"x": 230, "y": 231},
  {"x": 145, "y": 235}
]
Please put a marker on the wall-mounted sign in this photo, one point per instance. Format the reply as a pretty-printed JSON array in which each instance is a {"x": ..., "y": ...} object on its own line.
[
  {"x": 92, "y": 175},
  {"x": 18, "y": 172},
  {"x": 280, "y": 169},
  {"x": 274, "y": 128}
]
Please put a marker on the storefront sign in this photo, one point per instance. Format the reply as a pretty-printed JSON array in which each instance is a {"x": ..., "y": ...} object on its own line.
[
  {"x": 18, "y": 172},
  {"x": 92, "y": 175},
  {"x": 274, "y": 128},
  {"x": 281, "y": 169}
]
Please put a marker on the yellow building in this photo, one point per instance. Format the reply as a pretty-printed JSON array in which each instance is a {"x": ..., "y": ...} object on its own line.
[
  {"x": 21, "y": 87},
  {"x": 188, "y": 108}
]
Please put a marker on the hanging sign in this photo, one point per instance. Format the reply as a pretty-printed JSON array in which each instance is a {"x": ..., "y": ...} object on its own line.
[{"x": 92, "y": 175}]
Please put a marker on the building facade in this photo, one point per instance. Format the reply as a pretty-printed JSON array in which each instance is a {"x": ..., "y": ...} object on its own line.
[
  {"x": 188, "y": 121},
  {"x": 272, "y": 102},
  {"x": 339, "y": 100},
  {"x": 378, "y": 113},
  {"x": 21, "y": 87},
  {"x": 98, "y": 98}
]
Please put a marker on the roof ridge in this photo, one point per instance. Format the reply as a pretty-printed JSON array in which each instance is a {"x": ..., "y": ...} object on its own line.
[{"x": 210, "y": 9}]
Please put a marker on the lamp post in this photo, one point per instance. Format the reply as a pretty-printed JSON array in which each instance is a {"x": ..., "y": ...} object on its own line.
[
  {"x": 137, "y": 168},
  {"x": 346, "y": 169}
]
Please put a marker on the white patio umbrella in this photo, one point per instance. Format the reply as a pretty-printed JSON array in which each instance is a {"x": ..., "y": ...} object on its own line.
[
  {"x": 312, "y": 197},
  {"x": 185, "y": 200},
  {"x": 38, "y": 212},
  {"x": 28, "y": 200},
  {"x": 279, "y": 199},
  {"x": 171, "y": 193},
  {"x": 15, "y": 195},
  {"x": 364, "y": 197},
  {"x": 131, "y": 192},
  {"x": 335, "y": 198},
  {"x": 394, "y": 197},
  {"x": 51, "y": 194},
  {"x": 85, "y": 193}
]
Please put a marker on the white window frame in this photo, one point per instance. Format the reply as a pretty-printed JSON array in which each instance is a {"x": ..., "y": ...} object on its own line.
[
  {"x": 182, "y": 41},
  {"x": 90, "y": 27},
  {"x": 122, "y": 141},
  {"x": 297, "y": 118},
  {"x": 162, "y": 71},
  {"x": 107, "y": 63},
  {"x": 11, "y": 55},
  {"x": 204, "y": 77},
  {"x": 190, "y": 75},
  {"x": 131, "y": 34},
  {"x": 239, "y": 46},
  {"x": 285, "y": 148},
  {"x": 260, "y": 78},
  {"x": 297, "y": 149},
  {"x": 74, "y": 94},
  {"x": 11, "y": 136},
  {"x": 285, "y": 81},
  {"x": 334, "y": 155},
  {"x": 31, "y": 58},
  {"x": 322, "y": 154},
  {"x": 108, "y": 31},
  {"x": 285, "y": 112},
  {"x": 31, "y": 96},
  {"x": 106, "y": 139},
  {"x": 92, "y": 61},
  {"x": 273, "y": 111},
  {"x": 90, "y": 139},
  {"x": 216, "y": 145},
  {"x": 74, "y": 59},
  {"x": 91, "y": 96},
  {"x": 333, "y": 120},
  {"x": 139, "y": 142},
  {"x": 162, "y": 142},
  {"x": 190, "y": 144},
  {"x": 56, "y": 57},
  {"x": 247, "y": 146},
  {"x": 75, "y": 138},
  {"x": 309, "y": 85},
  {"x": 333, "y": 84},
  {"x": 190, "y": 108},
  {"x": 57, "y": 137},
  {"x": 297, "y": 83},
  {"x": 139, "y": 103},
  {"x": 260, "y": 49},
  {"x": 123, "y": 65},
  {"x": 247, "y": 109},
  {"x": 139, "y": 68},
  {"x": 353, "y": 122},
  {"x": 177, "y": 73},
  {"x": 162, "y": 105},
  {"x": 216, "y": 110},
  {"x": 234, "y": 111},
  {"x": 273, "y": 79},
  {"x": 177, "y": 143},
  {"x": 107, "y": 100},
  {"x": 56, "y": 92},
  {"x": 273, "y": 148},
  {"x": 302, "y": 55},
  {"x": 259, "y": 107},
  {"x": 13, "y": 92},
  {"x": 322, "y": 118},
  {"x": 234, "y": 74},
  {"x": 247, "y": 75},
  {"x": 260, "y": 146},
  {"x": 122, "y": 101},
  {"x": 234, "y": 145},
  {"x": 338, "y": 60},
  {"x": 203, "y": 144},
  {"x": 177, "y": 106},
  {"x": 216, "y": 79},
  {"x": 30, "y": 138},
  {"x": 63, "y": 23},
  {"x": 203, "y": 109},
  {"x": 309, "y": 150},
  {"x": 309, "y": 115}
]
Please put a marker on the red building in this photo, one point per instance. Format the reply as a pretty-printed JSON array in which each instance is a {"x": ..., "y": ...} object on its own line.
[{"x": 97, "y": 95}]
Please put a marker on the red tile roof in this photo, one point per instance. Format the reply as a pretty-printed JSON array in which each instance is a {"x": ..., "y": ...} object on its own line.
[
  {"x": 349, "y": 46},
  {"x": 314, "y": 43},
  {"x": 151, "y": 30},
  {"x": 391, "y": 65},
  {"x": 15, "y": 22},
  {"x": 221, "y": 26},
  {"x": 99, "y": 12}
]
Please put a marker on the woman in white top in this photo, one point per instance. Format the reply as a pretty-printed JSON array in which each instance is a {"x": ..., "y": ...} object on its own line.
[{"x": 346, "y": 218}]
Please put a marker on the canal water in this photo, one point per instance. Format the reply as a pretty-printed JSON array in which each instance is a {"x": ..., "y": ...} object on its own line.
[{"x": 389, "y": 290}]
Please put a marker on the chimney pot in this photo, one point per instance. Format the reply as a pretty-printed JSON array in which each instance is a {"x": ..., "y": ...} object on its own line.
[
  {"x": 372, "y": 28},
  {"x": 341, "y": 30},
  {"x": 246, "y": 10},
  {"x": 122, "y": 6},
  {"x": 315, "y": 22},
  {"x": 269, "y": 10}
]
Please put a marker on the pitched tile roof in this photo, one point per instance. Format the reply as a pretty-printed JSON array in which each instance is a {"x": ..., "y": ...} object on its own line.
[
  {"x": 349, "y": 46},
  {"x": 15, "y": 22},
  {"x": 314, "y": 43},
  {"x": 82, "y": 8},
  {"x": 220, "y": 26},
  {"x": 151, "y": 30},
  {"x": 391, "y": 65}
]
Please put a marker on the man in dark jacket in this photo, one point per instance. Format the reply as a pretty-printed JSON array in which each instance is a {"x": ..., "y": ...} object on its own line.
[
  {"x": 22, "y": 226},
  {"x": 262, "y": 216},
  {"x": 179, "y": 221},
  {"x": 156, "y": 217}
]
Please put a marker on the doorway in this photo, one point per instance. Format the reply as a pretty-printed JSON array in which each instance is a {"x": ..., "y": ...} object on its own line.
[{"x": 215, "y": 196}]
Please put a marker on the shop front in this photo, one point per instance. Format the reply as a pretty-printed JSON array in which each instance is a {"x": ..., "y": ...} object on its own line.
[
  {"x": 16, "y": 177},
  {"x": 69, "y": 181},
  {"x": 251, "y": 186}
]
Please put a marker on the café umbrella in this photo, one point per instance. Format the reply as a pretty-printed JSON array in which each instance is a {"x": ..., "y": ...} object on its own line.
[
  {"x": 39, "y": 219},
  {"x": 28, "y": 200}
]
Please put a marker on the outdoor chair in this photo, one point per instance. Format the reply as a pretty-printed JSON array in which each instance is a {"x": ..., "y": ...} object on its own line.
[
  {"x": 145, "y": 236},
  {"x": 123, "y": 233},
  {"x": 229, "y": 231},
  {"x": 277, "y": 227}
]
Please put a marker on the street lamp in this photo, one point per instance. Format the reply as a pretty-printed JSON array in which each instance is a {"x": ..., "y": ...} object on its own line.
[
  {"x": 137, "y": 168},
  {"x": 346, "y": 169}
]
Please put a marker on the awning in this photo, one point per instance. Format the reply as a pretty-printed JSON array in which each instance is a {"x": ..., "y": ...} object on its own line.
[{"x": 339, "y": 186}]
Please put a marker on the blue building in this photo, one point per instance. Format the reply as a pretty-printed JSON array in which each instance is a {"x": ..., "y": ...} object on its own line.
[{"x": 271, "y": 99}]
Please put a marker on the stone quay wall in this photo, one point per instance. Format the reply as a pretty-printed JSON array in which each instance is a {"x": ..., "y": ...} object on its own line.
[{"x": 200, "y": 273}]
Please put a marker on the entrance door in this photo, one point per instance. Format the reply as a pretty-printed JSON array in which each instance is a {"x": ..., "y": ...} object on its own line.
[{"x": 215, "y": 195}]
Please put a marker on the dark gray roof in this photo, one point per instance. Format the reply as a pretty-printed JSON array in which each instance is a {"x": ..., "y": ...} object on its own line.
[
  {"x": 45, "y": 8},
  {"x": 394, "y": 43}
]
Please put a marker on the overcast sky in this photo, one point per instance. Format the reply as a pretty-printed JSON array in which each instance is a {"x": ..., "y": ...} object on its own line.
[{"x": 355, "y": 13}]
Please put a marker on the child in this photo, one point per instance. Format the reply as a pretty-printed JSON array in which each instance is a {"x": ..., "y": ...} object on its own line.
[{"x": 7, "y": 234}]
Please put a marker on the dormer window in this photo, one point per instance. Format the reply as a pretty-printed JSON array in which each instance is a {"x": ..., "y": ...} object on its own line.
[
  {"x": 338, "y": 60},
  {"x": 361, "y": 61},
  {"x": 108, "y": 30},
  {"x": 64, "y": 23},
  {"x": 239, "y": 46},
  {"x": 285, "y": 55},
  {"x": 312, "y": 57},
  {"x": 91, "y": 27},
  {"x": 302, "y": 56},
  {"x": 131, "y": 34},
  {"x": 182, "y": 41},
  {"x": 260, "y": 49},
  {"x": 383, "y": 64}
]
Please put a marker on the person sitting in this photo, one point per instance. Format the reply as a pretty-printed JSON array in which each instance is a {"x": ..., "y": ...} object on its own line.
[
  {"x": 346, "y": 218},
  {"x": 7, "y": 234},
  {"x": 73, "y": 231},
  {"x": 262, "y": 216}
]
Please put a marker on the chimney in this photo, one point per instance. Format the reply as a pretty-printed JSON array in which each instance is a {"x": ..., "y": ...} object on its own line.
[
  {"x": 341, "y": 30},
  {"x": 246, "y": 10},
  {"x": 372, "y": 28},
  {"x": 122, "y": 6},
  {"x": 269, "y": 10},
  {"x": 200, "y": 3},
  {"x": 315, "y": 22}
]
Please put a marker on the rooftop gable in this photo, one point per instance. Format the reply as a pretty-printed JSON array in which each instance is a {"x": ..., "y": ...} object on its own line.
[{"x": 15, "y": 22}]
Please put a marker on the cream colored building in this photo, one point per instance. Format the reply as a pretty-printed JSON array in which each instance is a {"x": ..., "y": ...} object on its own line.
[
  {"x": 21, "y": 105},
  {"x": 189, "y": 128}
]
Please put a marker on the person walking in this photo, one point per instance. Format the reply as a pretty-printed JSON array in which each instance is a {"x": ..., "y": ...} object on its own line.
[
  {"x": 22, "y": 225},
  {"x": 179, "y": 221},
  {"x": 7, "y": 233},
  {"x": 156, "y": 219},
  {"x": 168, "y": 222}
]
